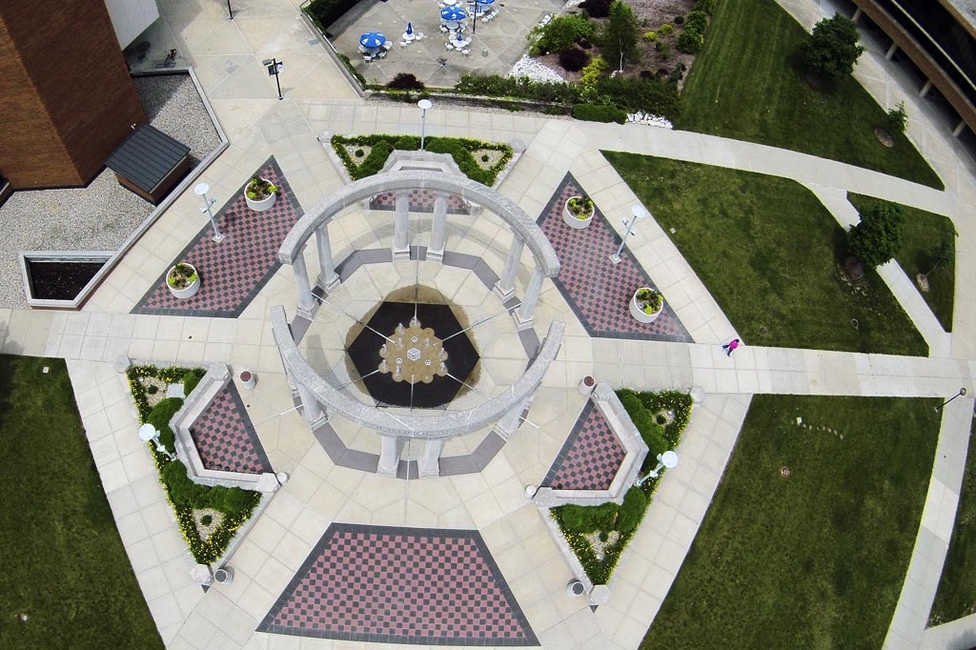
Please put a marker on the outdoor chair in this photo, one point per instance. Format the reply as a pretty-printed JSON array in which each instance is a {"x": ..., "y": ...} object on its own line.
[{"x": 441, "y": 65}]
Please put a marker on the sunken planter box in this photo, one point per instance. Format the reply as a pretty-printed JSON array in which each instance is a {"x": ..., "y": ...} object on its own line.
[
  {"x": 62, "y": 279},
  {"x": 578, "y": 212},
  {"x": 183, "y": 280},
  {"x": 646, "y": 305},
  {"x": 260, "y": 194}
]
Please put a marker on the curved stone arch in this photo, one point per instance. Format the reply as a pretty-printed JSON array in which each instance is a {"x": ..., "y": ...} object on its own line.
[{"x": 523, "y": 226}]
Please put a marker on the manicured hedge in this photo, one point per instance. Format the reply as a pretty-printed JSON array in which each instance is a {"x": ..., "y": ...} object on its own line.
[{"x": 599, "y": 113}]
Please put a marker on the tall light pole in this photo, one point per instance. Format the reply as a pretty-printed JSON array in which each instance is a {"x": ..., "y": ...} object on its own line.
[
  {"x": 230, "y": 10},
  {"x": 274, "y": 67},
  {"x": 201, "y": 190},
  {"x": 638, "y": 213},
  {"x": 962, "y": 392},
  {"x": 423, "y": 104}
]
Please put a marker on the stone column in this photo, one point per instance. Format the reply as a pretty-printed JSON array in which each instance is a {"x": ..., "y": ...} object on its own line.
[
  {"x": 891, "y": 52},
  {"x": 525, "y": 314},
  {"x": 306, "y": 301},
  {"x": 389, "y": 456},
  {"x": 401, "y": 227},
  {"x": 328, "y": 279},
  {"x": 510, "y": 422},
  {"x": 429, "y": 465},
  {"x": 857, "y": 15},
  {"x": 438, "y": 231},
  {"x": 959, "y": 127},
  {"x": 505, "y": 287},
  {"x": 926, "y": 88},
  {"x": 311, "y": 409}
]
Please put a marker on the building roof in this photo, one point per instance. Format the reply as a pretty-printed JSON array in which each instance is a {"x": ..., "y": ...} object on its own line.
[{"x": 147, "y": 157}]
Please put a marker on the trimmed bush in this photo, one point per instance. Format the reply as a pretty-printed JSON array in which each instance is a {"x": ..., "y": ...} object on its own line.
[
  {"x": 663, "y": 49},
  {"x": 160, "y": 416},
  {"x": 690, "y": 41},
  {"x": 596, "y": 8},
  {"x": 665, "y": 30},
  {"x": 879, "y": 235},
  {"x": 405, "y": 81},
  {"x": 632, "y": 511},
  {"x": 698, "y": 21},
  {"x": 407, "y": 143},
  {"x": 587, "y": 519},
  {"x": 678, "y": 20},
  {"x": 573, "y": 59},
  {"x": 832, "y": 50},
  {"x": 708, "y": 6},
  {"x": 650, "y": 37},
  {"x": 191, "y": 380},
  {"x": 561, "y": 33},
  {"x": 599, "y": 113}
]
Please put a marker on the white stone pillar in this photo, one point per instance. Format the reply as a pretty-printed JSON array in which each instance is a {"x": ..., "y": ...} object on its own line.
[
  {"x": 926, "y": 88},
  {"x": 857, "y": 15},
  {"x": 389, "y": 456},
  {"x": 328, "y": 279},
  {"x": 311, "y": 409},
  {"x": 525, "y": 314},
  {"x": 891, "y": 52},
  {"x": 401, "y": 227},
  {"x": 510, "y": 422},
  {"x": 438, "y": 231},
  {"x": 959, "y": 127},
  {"x": 505, "y": 287},
  {"x": 429, "y": 465},
  {"x": 306, "y": 301}
]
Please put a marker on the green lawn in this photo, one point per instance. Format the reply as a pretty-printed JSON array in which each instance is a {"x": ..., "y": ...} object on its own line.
[
  {"x": 768, "y": 251},
  {"x": 955, "y": 597},
  {"x": 63, "y": 562},
  {"x": 923, "y": 232},
  {"x": 815, "y": 559},
  {"x": 747, "y": 85}
]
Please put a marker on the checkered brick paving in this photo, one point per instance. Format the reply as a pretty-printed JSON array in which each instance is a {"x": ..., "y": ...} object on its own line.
[
  {"x": 384, "y": 584},
  {"x": 599, "y": 291},
  {"x": 225, "y": 437},
  {"x": 233, "y": 271},
  {"x": 590, "y": 457},
  {"x": 420, "y": 201}
]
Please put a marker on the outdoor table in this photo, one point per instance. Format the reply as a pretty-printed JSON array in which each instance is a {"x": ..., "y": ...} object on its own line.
[{"x": 448, "y": 3}]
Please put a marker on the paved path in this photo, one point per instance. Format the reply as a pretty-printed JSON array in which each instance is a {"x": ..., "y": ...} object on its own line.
[{"x": 226, "y": 56}]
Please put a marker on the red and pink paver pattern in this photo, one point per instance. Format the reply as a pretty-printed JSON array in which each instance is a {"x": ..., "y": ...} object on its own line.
[
  {"x": 233, "y": 271},
  {"x": 226, "y": 439},
  {"x": 420, "y": 201},
  {"x": 590, "y": 457},
  {"x": 385, "y": 584},
  {"x": 598, "y": 290}
]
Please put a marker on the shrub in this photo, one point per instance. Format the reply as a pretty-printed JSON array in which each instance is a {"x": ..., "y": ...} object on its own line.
[
  {"x": 897, "y": 118},
  {"x": 679, "y": 20},
  {"x": 374, "y": 161},
  {"x": 832, "y": 50},
  {"x": 663, "y": 49},
  {"x": 591, "y": 73},
  {"x": 650, "y": 95},
  {"x": 690, "y": 41},
  {"x": 632, "y": 511},
  {"x": 561, "y": 33},
  {"x": 585, "y": 43},
  {"x": 405, "y": 81},
  {"x": 573, "y": 59},
  {"x": 587, "y": 519},
  {"x": 656, "y": 444},
  {"x": 407, "y": 143},
  {"x": 618, "y": 39},
  {"x": 708, "y": 6},
  {"x": 650, "y": 37},
  {"x": 665, "y": 30},
  {"x": 160, "y": 416},
  {"x": 879, "y": 235},
  {"x": 697, "y": 20},
  {"x": 326, "y": 12},
  {"x": 596, "y": 8},
  {"x": 599, "y": 113},
  {"x": 191, "y": 379}
]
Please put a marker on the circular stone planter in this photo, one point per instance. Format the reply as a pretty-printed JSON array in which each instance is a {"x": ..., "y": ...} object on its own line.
[
  {"x": 639, "y": 314},
  {"x": 575, "y": 588},
  {"x": 187, "y": 291},
  {"x": 586, "y": 385},
  {"x": 262, "y": 204},
  {"x": 224, "y": 576},
  {"x": 247, "y": 378},
  {"x": 572, "y": 220}
]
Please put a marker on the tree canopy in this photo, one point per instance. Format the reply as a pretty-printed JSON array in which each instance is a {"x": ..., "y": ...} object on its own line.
[{"x": 832, "y": 49}]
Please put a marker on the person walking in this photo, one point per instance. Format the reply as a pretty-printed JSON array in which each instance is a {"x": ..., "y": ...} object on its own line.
[{"x": 730, "y": 347}]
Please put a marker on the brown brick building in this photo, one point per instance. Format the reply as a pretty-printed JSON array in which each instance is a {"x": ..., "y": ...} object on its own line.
[{"x": 66, "y": 97}]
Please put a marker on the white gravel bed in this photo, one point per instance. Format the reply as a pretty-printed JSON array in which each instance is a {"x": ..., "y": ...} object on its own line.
[
  {"x": 526, "y": 67},
  {"x": 102, "y": 215}
]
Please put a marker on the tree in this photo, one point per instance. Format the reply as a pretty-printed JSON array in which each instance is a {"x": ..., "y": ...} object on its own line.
[
  {"x": 879, "y": 235},
  {"x": 832, "y": 49},
  {"x": 621, "y": 34},
  {"x": 944, "y": 255}
]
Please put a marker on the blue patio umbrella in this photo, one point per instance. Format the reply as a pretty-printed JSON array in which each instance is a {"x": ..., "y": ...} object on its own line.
[
  {"x": 410, "y": 29},
  {"x": 453, "y": 14},
  {"x": 372, "y": 40}
]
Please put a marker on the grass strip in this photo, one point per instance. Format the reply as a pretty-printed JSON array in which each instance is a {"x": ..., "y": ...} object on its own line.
[
  {"x": 63, "y": 561},
  {"x": 770, "y": 254},
  {"x": 809, "y": 535},
  {"x": 747, "y": 84}
]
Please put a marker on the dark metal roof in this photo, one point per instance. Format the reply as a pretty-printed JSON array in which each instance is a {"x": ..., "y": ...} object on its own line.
[{"x": 147, "y": 157}]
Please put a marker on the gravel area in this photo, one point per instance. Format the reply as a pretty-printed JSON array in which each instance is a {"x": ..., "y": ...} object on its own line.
[{"x": 101, "y": 216}]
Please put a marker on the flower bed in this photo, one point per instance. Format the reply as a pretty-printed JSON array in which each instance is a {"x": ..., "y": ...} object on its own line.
[
  {"x": 475, "y": 158},
  {"x": 599, "y": 534},
  {"x": 190, "y": 501}
]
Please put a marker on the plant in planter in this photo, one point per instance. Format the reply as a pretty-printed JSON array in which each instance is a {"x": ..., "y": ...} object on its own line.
[
  {"x": 578, "y": 212},
  {"x": 183, "y": 280},
  {"x": 646, "y": 305},
  {"x": 260, "y": 194}
]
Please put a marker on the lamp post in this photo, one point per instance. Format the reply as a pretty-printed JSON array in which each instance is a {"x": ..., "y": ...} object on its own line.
[
  {"x": 274, "y": 67},
  {"x": 148, "y": 433},
  {"x": 474, "y": 19},
  {"x": 668, "y": 460},
  {"x": 638, "y": 213},
  {"x": 230, "y": 10},
  {"x": 423, "y": 105},
  {"x": 961, "y": 393},
  {"x": 201, "y": 190}
]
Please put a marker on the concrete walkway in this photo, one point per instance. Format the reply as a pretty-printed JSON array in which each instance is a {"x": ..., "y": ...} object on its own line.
[{"x": 227, "y": 58}]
